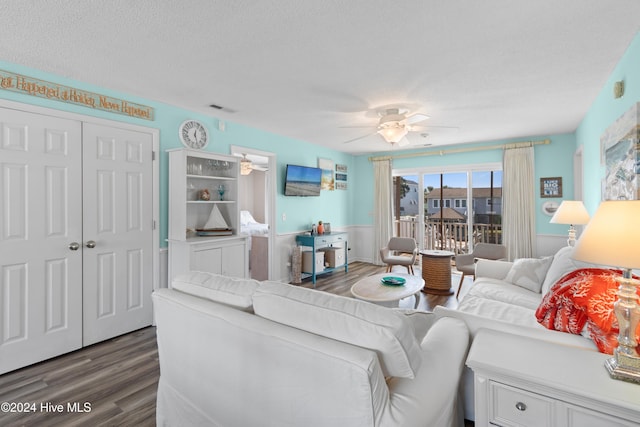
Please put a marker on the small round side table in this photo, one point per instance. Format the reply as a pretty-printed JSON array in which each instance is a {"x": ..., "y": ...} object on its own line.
[{"x": 436, "y": 272}]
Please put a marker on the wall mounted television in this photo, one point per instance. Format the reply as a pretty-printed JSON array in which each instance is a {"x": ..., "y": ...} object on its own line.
[{"x": 302, "y": 181}]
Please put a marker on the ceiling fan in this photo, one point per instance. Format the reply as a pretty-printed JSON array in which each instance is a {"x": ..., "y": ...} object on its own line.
[
  {"x": 395, "y": 123},
  {"x": 250, "y": 164}
]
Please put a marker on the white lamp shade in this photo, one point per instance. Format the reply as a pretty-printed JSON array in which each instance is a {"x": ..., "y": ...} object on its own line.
[
  {"x": 393, "y": 133},
  {"x": 612, "y": 237},
  {"x": 571, "y": 212}
]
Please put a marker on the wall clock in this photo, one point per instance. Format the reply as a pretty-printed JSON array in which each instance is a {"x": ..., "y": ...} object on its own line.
[{"x": 193, "y": 134}]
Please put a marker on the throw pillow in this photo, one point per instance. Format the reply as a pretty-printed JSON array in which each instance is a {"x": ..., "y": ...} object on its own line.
[
  {"x": 529, "y": 273},
  {"x": 231, "y": 291},
  {"x": 584, "y": 297},
  {"x": 356, "y": 322},
  {"x": 562, "y": 264}
]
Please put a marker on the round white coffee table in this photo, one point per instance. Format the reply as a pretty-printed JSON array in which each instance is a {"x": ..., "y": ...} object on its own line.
[{"x": 371, "y": 289}]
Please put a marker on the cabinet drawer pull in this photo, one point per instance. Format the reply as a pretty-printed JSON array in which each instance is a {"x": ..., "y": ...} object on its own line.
[{"x": 521, "y": 406}]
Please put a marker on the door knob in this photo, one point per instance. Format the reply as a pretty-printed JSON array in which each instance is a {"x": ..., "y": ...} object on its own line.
[
  {"x": 74, "y": 246},
  {"x": 91, "y": 244}
]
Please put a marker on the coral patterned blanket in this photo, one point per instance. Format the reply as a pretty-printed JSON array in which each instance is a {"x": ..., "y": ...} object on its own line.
[{"x": 584, "y": 297}]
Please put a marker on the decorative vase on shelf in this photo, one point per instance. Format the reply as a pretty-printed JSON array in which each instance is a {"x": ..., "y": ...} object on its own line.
[
  {"x": 204, "y": 195},
  {"x": 320, "y": 228},
  {"x": 221, "y": 191}
]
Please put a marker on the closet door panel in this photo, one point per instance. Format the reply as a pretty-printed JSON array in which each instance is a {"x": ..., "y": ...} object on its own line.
[
  {"x": 40, "y": 219},
  {"x": 118, "y": 218}
]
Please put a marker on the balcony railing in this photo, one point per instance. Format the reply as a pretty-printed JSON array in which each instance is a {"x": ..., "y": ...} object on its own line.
[{"x": 456, "y": 237}]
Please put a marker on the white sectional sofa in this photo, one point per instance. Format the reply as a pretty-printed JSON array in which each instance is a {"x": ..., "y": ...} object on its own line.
[
  {"x": 245, "y": 353},
  {"x": 505, "y": 295}
]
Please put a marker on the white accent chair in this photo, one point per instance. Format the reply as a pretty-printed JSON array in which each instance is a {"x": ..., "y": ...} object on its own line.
[
  {"x": 393, "y": 253},
  {"x": 466, "y": 263}
]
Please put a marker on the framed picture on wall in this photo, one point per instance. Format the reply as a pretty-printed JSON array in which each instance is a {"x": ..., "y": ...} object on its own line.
[
  {"x": 327, "y": 182},
  {"x": 620, "y": 153},
  {"x": 551, "y": 187}
]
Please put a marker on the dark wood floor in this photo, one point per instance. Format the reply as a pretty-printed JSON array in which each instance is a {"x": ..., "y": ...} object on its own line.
[{"x": 118, "y": 378}]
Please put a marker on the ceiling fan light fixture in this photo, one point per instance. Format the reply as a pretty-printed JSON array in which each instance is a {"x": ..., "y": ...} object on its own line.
[
  {"x": 245, "y": 165},
  {"x": 393, "y": 132}
]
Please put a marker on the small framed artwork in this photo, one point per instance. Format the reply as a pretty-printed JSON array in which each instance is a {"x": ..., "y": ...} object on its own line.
[
  {"x": 341, "y": 185},
  {"x": 341, "y": 168},
  {"x": 551, "y": 187},
  {"x": 341, "y": 176},
  {"x": 620, "y": 153},
  {"x": 327, "y": 181}
]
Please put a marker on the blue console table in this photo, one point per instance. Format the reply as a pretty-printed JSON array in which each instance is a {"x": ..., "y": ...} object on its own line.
[{"x": 317, "y": 241}]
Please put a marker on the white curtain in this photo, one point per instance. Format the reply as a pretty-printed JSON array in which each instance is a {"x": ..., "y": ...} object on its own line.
[
  {"x": 383, "y": 208},
  {"x": 519, "y": 225}
]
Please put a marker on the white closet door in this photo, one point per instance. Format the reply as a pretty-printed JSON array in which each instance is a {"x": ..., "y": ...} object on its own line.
[
  {"x": 118, "y": 279},
  {"x": 40, "y": 220}
]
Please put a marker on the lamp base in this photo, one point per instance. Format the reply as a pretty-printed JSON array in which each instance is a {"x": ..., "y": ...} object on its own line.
[
  {"x": 571, "y": 241},
  {"x": 624, "y": 367}
]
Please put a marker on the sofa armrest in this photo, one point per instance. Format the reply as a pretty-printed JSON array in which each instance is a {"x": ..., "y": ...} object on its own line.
[
  {"x": 493, "y": 269},
  {"x": 432, "y": 398}
]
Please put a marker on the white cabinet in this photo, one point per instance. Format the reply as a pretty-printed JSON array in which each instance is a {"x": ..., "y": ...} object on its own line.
[
  {"x": 519, "y": 381},
  {"x": 191, "y": 174},
  {"x": 221, "y": 255}
]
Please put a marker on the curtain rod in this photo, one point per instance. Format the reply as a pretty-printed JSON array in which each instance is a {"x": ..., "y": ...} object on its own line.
[{"x": 463, "y": 150}]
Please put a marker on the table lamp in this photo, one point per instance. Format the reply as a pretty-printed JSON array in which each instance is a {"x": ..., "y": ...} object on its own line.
[
  {"x": 571, "y": 212},
  {"x": 612, "y": 239}
]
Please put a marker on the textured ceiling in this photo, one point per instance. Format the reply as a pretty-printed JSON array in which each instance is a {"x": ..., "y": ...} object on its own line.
[{"x": 494, "y": 69}]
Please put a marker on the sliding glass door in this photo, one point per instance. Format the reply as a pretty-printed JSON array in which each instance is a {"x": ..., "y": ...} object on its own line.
[
  {"x": 487, "y": 209},
  {"x": 446, "y": 211},
  {"x": 450, "y": 211}
]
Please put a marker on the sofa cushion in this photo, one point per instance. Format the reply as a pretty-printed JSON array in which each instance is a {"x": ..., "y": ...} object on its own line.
[
  {"x": 499, "y": 290},
  {"x": 529, "y": 273},
  {"x": 499, "y": 310},
  {"x": 231, "y": 291},
  {"x": 356, "y": 322}
]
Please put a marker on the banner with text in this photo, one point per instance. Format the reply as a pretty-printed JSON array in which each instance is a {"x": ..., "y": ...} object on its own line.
[{"x": 44, "y": 89}]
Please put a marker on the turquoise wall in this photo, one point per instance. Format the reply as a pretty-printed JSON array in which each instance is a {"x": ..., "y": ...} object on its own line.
[
  {"x": 331, "y": 206},
  {"x": 603, "y": 112},
  {"x": 301, "y": 212},
  {"x": 552, "y": 160}
]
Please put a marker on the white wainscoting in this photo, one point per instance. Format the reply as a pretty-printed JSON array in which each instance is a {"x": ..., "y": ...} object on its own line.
[
  {"x": 549, "y": 244},
  {"x": 361, "y": 248}
]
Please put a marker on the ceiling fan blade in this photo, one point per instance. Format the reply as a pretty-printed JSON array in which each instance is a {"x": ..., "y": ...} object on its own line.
[
  {"x": 416, "y": 118},
  {"x": 358, "y": 138}
]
